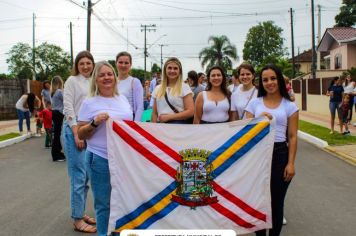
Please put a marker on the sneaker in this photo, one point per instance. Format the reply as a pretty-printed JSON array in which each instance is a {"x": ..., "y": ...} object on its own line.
[
  {"x": 284, "y": 221},
  {"x": 331, "y": 132},
  {"x": 60, "y": 160},
  {"x": 346, "y": 132}
]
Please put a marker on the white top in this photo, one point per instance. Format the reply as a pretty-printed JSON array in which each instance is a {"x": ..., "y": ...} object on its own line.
[
  {"x": 118, "y": 108},
  {"x": 285, "y": 109},
  {"x": 240, "y": 100},
  {"x": 132, "y": 89},
  {"x": 76, "y": 89},
  {"x": 177, "y": 102},
  {"x": 349, "y": 88},
  {"x": 20, "y": 103},
  {"x": 215, "y": 112}
]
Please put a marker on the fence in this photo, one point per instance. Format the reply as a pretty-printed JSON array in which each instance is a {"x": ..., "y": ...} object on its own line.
[{"x": 11, "y": 90}]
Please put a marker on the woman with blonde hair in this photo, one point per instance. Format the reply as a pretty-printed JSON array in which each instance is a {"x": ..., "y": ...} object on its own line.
[
  {"x": 173, "y": 99},
  {"x": 57, "y": 117},
  {"x": 104, "y": 102}
]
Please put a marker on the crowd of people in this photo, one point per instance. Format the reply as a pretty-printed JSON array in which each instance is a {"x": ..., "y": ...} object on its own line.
[{"x": 76, "y": 112}]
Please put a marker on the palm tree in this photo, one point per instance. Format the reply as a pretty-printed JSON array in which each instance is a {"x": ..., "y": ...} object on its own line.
[{"x": 221, "y": 52}]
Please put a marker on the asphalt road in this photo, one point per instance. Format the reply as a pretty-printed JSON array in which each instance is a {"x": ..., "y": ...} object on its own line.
[{"x": 34, "y": 197}]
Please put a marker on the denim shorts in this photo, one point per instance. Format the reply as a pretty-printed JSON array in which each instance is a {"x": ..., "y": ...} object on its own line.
[{"x": 333, "y": 106}]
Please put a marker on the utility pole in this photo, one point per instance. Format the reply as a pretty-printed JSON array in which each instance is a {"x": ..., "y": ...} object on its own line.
[
  {"x": 319, "y": 35},
  {"x": 313, "y": 67},
  {"x": 33, "y": 46},
  {"x": 162, "y": 45},
  {"x": 89, "y": 11},
  {"x": 146, "y": 28},
  {"x": 71, "y": 44},
  {"x": 292, "y": 35}
]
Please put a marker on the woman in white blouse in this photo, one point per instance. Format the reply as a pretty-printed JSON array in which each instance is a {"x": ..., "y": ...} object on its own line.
[
  {"x": 173, "y": 99},
  {"x": 76, "y": 89},
  {"x": 129, "y": 86},
  {"x": 244, "y": 92}
]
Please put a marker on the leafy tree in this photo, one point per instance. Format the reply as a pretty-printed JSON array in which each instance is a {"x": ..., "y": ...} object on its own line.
[
  {"x": 20, "y": 61},
  {"x": 221, "y": 52},
  {"x": 155, "y": 68},
  {"x": 347, "y": 14},
  {"x": 140, "y": 74},
  {"x": 264, "y": 43},
  {"x": 50, "y": 60}
]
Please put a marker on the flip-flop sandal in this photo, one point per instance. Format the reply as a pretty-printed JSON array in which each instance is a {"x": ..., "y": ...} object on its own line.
[
  {"x": 89, "y": 220},
  {"x": 85, "y": 228}
]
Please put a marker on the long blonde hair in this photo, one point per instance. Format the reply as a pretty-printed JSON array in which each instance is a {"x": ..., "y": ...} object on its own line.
[
  {"x": 93, "y": 88},
  {"x": 177, "y": 88},
  {"x": 56, "y": 83}
]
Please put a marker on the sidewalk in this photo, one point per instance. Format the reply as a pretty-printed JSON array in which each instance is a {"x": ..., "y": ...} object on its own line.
[{"x": 345, "y": 152}]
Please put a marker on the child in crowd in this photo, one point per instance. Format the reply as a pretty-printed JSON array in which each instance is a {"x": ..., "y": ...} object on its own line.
[
  {"x": 38, "y": 122},
  {"x": 46, "y": 116},
  {"x": 345, "y": 113}
]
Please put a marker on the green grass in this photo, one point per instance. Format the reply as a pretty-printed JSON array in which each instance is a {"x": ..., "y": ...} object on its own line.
[
  {"x": 323, "y": 133},
  {"x": 8, "y": 136}
]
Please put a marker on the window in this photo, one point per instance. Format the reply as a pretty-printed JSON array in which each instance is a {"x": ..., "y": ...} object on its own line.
[{"x": 338, "y": 61}]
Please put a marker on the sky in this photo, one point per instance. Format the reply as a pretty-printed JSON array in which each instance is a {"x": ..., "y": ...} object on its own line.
[{"x": 182, "y": 27}]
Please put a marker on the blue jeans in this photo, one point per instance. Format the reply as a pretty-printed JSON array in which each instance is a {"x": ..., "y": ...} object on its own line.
[
  {"x": 77, "y": 173},
  {"x": 99, "y": 175},
  {"x": 22, "y": 115}
]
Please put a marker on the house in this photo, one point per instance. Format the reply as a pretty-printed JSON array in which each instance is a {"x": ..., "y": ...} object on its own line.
[
  {"x": 341, "y": 43},
  {"x": 303, "y": 61}
]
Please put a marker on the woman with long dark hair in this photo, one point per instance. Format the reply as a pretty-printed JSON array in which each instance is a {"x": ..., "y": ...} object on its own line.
[
  {"x": 24, "y": 107},
  {"x": 274, "y": 102},
  {"x": 213, "y": 105}
]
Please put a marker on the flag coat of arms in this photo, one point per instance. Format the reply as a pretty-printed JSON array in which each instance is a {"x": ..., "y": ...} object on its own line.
[{"x": 172, "y": 176}]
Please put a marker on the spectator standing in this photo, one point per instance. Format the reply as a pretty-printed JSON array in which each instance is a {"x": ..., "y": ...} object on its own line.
[
  {"x": 345, "y": 113},
  {"x": 46, "y": 116},
  {"x": 335, "y": 91},
  {"x": 349, "y": 86},
  {"x": 146, "y": 94},
  {"x": 75, "y": 91},
  {"x": 57, "y": 117},
  {"x": 24, "y": 107},
  {"x": 129, "y": 86},
  {"x": 45, "y": 93},
  {"x": 194, "y": 84},
  {"x": 235, "y": 83}
]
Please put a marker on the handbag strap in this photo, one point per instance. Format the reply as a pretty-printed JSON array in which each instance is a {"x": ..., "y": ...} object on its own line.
[
  {"x": 169, "y": 104},
  {"x": 243, "y": 113}
]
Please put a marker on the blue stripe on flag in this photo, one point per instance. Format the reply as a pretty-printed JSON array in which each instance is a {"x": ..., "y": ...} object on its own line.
[
  {"x": 143, "y": 207},
  {"x": 229, "y": 142},
  {"x": 165, "y": 211},
  {"x": 237, "y": 155}
]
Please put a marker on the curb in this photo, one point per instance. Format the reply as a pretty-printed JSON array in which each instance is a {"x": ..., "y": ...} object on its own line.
[
  {"x": 313, "y": 140},
  {"x": 325, "y": 146},
  {"x": 342, "y": 156},
  {"x": 12, "y": 141}
]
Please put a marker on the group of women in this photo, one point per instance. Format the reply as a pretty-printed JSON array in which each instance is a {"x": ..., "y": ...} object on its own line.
[{"x": 121, "y": 97}]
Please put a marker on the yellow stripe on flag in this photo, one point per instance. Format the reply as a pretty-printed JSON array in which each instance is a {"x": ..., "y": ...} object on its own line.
[
  {"x": 239, "y": 144},
  {"x": 148, "y": 213}
]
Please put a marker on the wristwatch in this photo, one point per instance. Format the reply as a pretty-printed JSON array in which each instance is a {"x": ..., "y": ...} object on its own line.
[{"x": 92, "y": 123}]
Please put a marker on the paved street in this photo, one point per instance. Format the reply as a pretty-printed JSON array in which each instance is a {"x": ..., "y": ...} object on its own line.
[{"x": 35, "y": 200}]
